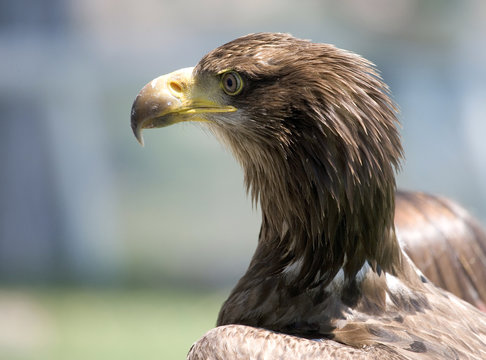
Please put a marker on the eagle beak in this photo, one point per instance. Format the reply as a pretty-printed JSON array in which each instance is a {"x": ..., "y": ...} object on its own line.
[{"x": 170, "y": 99}]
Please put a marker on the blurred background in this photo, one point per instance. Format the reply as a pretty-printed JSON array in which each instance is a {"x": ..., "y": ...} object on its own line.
[{"x": 109, "y": 250}]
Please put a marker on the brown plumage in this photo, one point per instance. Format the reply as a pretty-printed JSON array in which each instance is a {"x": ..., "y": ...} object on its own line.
[
  {"x": 445, "y": 242},
  {"x": 315, "y": 132}
]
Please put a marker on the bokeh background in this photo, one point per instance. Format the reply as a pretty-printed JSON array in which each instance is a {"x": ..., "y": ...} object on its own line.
[{"x": 113, "y": 251}]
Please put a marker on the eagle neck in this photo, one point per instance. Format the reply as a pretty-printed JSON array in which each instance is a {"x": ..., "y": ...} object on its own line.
[
  {"x": 313, "y": 249},
  {"x": 324, "y": 215}
]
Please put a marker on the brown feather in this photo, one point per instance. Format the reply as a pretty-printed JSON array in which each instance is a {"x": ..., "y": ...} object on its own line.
[
  {"x": 445, "y": 242},
  {"x": 245, "y": 342}
]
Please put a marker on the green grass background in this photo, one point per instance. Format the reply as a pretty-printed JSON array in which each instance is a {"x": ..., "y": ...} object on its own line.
[{"x": 92, "y": 324}]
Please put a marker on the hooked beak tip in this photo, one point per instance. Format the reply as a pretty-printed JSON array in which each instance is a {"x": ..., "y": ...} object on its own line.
[
  {"x": 137, "y": 131},
  {"x": 140, "y": 138},
  {"x": 135, "y": 122}
]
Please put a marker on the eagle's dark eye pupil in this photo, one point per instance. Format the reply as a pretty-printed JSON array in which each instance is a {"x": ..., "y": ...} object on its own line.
[{"x": 231, "y": 83}]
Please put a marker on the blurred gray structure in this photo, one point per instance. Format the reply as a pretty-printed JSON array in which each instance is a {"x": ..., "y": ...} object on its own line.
[{"x": 81, "y": 202}]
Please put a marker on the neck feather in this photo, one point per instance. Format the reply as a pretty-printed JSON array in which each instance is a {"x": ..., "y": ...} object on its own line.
[
  {"x": 322, "y": 206},
  {"x": 321, "y": 235}
]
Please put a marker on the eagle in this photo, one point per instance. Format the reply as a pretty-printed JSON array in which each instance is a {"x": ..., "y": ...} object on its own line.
[{"x": 316, "y": 134}]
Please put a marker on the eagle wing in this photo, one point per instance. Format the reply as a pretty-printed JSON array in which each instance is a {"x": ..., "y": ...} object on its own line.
[
  {"x": 241, "y": 342},
  {"x": 445, "y": 242}
]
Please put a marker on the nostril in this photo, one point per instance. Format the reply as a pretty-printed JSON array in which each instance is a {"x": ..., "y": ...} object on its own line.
[{"x": 175, "y": 87}]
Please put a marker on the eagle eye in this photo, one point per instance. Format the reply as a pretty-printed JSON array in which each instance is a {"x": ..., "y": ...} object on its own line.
[{"x": 232, "y": 83}]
